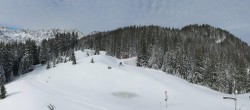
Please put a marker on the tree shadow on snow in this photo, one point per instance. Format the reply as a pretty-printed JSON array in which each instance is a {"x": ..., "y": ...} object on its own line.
[{"x": 13, "y": 93}]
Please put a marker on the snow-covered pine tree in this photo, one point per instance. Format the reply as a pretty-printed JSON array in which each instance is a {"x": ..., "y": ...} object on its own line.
[
  {"x": 25, "y": 65},
  {"x": 27, "y": 61},
  {"x": 8, "y": 62},
  {"x": 199, "y": 66},
  {"x": 43, "y": 52}
]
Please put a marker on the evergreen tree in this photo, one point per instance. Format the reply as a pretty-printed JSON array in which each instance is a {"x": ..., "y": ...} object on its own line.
[
  {"x": 54, "y": 62},
  {"x": 8, "y": 62},
  {"x": 142, "y": 58},
  {"x": 212, "y": 73},
  {"x": 2, "y": 91},
  {"x": 26, "y": 65},
  {"x": 73, "y": 58},
  {"x": 2, "y": 75},
  {"x": 28, "y": 59},
  {"x": 199, "y": 66},
  {"x": 43, "y": 54}
]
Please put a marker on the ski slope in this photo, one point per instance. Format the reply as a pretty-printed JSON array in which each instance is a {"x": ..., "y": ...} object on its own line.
[{"x": 92, "y": 86}]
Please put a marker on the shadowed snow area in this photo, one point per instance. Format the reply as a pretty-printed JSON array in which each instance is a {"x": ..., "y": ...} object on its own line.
[{"x": 92, "y": 86}]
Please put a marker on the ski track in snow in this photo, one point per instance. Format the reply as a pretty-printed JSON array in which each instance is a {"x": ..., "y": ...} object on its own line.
[{"x": 35, "y": 83}]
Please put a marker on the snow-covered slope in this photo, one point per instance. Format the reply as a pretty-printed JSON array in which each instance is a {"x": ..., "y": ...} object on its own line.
[
  {"x": 92, "y": 86},
  {"x": 21, "y": 35}
]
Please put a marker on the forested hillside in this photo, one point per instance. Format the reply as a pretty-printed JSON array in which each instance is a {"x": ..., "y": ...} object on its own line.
[
  {"x": 201, "y": 54},
  {"x": 17, "y": 59}
]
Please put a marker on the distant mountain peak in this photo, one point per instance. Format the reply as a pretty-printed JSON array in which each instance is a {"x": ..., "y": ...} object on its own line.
[{"x": 21, "y": 35}]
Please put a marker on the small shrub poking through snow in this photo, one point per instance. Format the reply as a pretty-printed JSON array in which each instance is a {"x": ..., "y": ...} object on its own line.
[
  {"x": 92, "y": 60},
  {"x": 109, "y": 67}
]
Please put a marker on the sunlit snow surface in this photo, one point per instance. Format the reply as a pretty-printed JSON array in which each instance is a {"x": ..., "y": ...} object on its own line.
[{"x": 92, "y": 86}]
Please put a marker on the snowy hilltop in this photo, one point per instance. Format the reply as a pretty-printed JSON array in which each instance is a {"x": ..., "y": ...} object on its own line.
[
  {"x": 200, "y": 54},
  {"x": 94, "y": 86},
  {"x": 21, "y": 35}
]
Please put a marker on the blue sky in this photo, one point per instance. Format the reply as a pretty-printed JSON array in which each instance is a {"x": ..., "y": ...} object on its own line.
[{"x": 100, "y": 15}]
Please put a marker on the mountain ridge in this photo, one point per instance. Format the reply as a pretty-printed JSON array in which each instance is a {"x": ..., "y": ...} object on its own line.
[{"x": 21, "y": 35}]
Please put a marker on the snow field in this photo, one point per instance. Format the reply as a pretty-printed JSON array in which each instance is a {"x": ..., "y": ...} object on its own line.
[{"x": 92, "y": 86}]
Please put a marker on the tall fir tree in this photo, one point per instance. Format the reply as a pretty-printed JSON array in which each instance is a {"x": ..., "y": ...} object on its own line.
[
  {"x": 28, "y": 60},
  {"x": 8, "y": 62},
  {"x": 43, "y": 54}
]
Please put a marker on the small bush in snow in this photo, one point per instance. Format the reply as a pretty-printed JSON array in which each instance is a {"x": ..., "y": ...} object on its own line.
[
  {"x": 92, "y": 60},
  {"x": 120, "y": 64},
  {"x": 109, "y": 67}
]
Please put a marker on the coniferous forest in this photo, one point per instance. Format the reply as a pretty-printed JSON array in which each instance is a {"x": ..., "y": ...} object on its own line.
[
  {"x": 200, "y": 54},
  {"x": 17, "y": 59}
]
